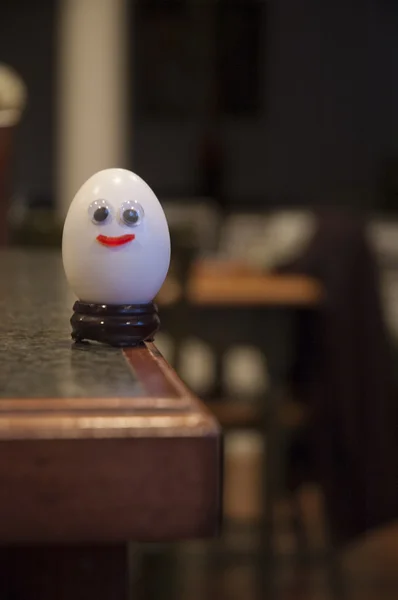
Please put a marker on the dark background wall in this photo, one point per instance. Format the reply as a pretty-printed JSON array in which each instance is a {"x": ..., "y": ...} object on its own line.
[
  {"x": 329, "y": 117},
  {"x": 27, "y": 43},
  {"x": 328, "y": 121}
]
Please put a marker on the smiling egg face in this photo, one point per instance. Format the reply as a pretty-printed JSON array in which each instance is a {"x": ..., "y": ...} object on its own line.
[{"x": 116, "y": 242}]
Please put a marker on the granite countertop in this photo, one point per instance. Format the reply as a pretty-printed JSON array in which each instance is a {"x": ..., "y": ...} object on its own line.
[{"x": 38, "y": 357}]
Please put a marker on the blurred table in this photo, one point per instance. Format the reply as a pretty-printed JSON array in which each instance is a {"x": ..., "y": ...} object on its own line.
[
  {"x": 99, "y": 447},
  {"x": 230, "y": 303},
  {"x": 230, "y": 283}
]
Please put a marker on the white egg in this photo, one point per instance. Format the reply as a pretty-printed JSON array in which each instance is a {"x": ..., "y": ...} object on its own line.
[{"x": 116, "y": 242}]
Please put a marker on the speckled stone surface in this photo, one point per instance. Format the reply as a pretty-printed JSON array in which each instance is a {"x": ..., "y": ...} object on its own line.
[{"x": 38, "y": 357}]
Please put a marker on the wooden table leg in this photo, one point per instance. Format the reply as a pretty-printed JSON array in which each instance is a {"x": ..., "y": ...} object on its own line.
[{"x": 64, "y": 573}]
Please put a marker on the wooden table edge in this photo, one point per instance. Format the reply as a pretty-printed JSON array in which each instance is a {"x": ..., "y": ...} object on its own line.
[{"x": 169, "y": 410}]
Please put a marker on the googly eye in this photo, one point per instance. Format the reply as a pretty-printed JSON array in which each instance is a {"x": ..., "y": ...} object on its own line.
[
  {"x": 99, "y": 211},
  {"x": 131, "y": 213}
]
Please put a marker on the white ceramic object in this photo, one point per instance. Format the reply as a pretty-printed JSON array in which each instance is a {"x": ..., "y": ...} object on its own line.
[
  {"x": 116, "y": 242},
  {"x": 13, "y": 96}
]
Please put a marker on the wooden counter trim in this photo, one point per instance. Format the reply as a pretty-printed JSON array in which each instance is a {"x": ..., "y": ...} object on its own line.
[
  {"x": 108, "y": 405},
  {"x": 109, "y": 491},
  {"x": 101, "y": 426},
  {"x": 156, "y": 375},
  {"x": 153, "y": 374}
]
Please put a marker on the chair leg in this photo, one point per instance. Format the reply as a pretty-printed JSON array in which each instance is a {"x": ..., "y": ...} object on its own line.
[
  {"x": 335, "y": 571},
  {"x": 272, "y": 470},
  {"x": 217, "y": 389},
  {"x": 299, "y": 529}
]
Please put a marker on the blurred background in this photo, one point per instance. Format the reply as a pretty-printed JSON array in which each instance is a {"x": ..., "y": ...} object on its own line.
[{"x": 269, "y": 131}]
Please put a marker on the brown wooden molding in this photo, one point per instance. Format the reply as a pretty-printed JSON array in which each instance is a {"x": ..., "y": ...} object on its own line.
[{"x": 111, "y": 469}]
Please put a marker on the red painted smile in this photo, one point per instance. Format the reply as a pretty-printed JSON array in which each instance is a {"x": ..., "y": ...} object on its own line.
[{"x": 119, "y": 240}]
